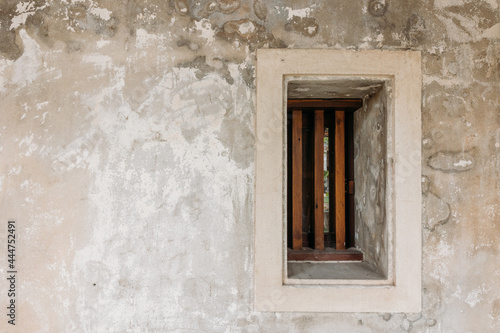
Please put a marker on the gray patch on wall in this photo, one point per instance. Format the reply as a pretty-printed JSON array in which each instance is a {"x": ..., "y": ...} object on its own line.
[
  {"x": 260, "y": 9},
  {"x": 8, "y": 46},
  {"x": 202, "y": 69},
  {"x": 436, "y": 211},
  {"x": 304, "y": 25},
  {"x": 447, "y": 161},
  {"x": 415, "y": 29},
  {"x": 237, "y": 137},
  {"x": 249, "y": 32},
  {"x": 377, "y": 7}
]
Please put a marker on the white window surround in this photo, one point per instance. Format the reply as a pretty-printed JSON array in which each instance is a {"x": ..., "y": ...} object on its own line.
[{"x": 401, "y": 290}]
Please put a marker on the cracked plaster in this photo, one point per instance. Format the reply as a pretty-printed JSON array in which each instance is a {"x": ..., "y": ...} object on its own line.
[{"x": 126, "y": 141}]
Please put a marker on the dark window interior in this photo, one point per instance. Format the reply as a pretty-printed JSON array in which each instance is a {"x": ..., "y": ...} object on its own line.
[{"x": 320, "y": 196}]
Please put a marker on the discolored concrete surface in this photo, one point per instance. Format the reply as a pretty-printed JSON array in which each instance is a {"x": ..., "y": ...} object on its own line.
[{"x": 127, "y": 159}]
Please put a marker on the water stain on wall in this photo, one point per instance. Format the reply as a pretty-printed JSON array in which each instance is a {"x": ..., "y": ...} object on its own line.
[{"x": 127, "y": 156}]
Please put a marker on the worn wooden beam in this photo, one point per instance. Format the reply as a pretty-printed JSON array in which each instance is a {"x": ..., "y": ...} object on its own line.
[
  {"x": 319, "y": 209},
  {"x": 349, "y": 155},
  {"x": 340, "y": 180},
  {"x": 328, "y": 254},
  {"x": 343, "y": 104},
  {"x": 330, "y": 122}
]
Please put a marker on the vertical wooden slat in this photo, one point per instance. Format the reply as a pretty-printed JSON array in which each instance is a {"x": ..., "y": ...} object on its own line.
[
  {"x": 319, "y": 205},
  {"x": 339, "y": 180},
  {"x": 349, "y": 138},
  {"x": 330, "y": 121},
  {"x": 297, "y": 179},
  {"x": 289, "y": 178}
]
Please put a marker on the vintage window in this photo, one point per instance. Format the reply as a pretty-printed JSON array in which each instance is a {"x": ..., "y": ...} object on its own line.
[
  {"x": 360, "y": 224},
  {"x": 320, "y": 179},
  {"x": 386, "y": 136}
]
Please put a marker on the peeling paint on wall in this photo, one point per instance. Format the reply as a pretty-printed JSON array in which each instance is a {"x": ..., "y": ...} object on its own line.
[{"x": 127, "y": 154}]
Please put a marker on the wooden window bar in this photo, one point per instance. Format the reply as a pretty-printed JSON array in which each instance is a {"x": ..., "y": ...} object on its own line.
[
  {"x": 319, "y": 204},
  {"x": 340, "y": 180},
  {"x": 307, "y": 237}
]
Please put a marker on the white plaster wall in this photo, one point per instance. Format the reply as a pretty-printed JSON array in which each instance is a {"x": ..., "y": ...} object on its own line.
[{"x": 126, "y": 158}]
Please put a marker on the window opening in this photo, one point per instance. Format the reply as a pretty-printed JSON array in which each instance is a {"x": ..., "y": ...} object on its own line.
[
  {"x": 387, "y": 134},
  {"x": 320, "y": 177}
]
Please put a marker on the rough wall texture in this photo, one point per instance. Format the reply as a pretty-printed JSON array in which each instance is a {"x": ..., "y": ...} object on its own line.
[
  {"x": 370, "y": 174},
  {"x": 127, "y": 149}
]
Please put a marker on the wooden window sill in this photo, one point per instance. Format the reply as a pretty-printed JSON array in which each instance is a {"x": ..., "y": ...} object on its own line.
[{"x": 328, "y": 254}]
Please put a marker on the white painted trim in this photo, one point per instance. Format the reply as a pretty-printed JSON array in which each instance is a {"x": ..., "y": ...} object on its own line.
[{"x": 271, "y": 291}]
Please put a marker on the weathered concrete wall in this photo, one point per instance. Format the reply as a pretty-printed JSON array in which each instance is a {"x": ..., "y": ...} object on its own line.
[
  {"x": 127, "y": 144},
  {"x": 370, "y": 174}
]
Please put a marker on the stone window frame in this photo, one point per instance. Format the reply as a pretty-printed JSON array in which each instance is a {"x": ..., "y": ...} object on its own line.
[{"x": 401, "y": 290}]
